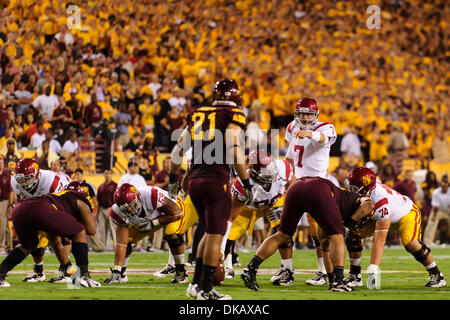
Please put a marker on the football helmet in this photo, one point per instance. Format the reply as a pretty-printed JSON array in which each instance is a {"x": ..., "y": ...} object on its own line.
[
  {"x": 226, "y": 92},
  {"x": 262, "y": 168},
  {"x": 361, "y": 180},
  {"x": 27, "y": 174},
  {"x": 306, "y": 106},
  {"x": 128, "y": 199}
]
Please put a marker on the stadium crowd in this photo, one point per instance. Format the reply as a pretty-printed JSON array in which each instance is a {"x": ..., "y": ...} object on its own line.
[{"x": 140, "y": 67}]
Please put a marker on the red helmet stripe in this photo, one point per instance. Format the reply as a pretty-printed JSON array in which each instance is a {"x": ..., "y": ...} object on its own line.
[
  {"x": 381, "y": 203},
  {"x": 54, "y": 184}
]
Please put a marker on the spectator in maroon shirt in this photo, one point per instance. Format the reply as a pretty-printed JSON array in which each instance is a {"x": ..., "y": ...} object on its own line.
[
  {"x": 407, "y": 186},
  {"x": 105, "y": 201},
  {"x": 162, "y": 177},
  {"x": 172, "y": 122},
  {"x": 62, "y": 117},
  {"x": 93, "y": 112}
]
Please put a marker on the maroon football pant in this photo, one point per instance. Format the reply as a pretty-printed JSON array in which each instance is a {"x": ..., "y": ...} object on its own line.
[
  {"x": 33, "y": 215},
  {"x": 315, "y": 197},
  {"x": 212, "y": 199}
]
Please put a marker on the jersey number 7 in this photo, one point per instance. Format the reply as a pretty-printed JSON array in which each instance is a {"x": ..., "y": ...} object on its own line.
[{"x": 300, "y": 154}]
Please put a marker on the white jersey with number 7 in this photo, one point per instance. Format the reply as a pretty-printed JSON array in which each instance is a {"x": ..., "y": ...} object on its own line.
[{"x": 311, "y": 159}]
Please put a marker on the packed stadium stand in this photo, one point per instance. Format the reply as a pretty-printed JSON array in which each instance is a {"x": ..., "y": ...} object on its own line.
[{"x": 105, "y": 80}]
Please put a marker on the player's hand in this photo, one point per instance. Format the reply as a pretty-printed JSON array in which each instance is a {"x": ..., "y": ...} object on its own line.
[
  {"x": 274, "y": 214},
  {"x": 300, "y": 134},
  {"x": 115, "y": 277},
  {"x": 373, "y": 277},
  {"x": 174, "y": 186},
  {"x": 248, "y": 191}
]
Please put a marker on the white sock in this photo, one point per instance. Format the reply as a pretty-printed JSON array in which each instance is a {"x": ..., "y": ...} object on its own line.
[
  {"x": 179, "y": 258},
  {"x": 225, "y": 237},
  {"x": 171, "y": 259},
  {"x": 431, "y": 265},
  {"x": 321, "y": 265},
  {"x": 355, "y": 262},
  {"x": 287, "y": 263},
  {"x": 228, "y": 263},
  {"x": 125, "y": 262}
]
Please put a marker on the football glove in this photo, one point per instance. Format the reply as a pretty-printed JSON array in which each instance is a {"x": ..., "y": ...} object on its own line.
[
  {"x": 174, "y": 186},
  {"x": 248, "y": 191},
  {"x": 373, "y": 277},
  {"x": 115, "y": 277},
  {"x": 274, "y": 214}
]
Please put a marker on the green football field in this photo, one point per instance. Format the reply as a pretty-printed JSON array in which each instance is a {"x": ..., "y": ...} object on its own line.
[{"x": 402, "y": 279}]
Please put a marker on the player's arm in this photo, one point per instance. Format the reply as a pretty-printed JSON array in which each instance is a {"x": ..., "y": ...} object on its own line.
[
  {"x": 313, "y": 135},
  {"x": 185, "y": 181},
  {"x": 234, "y": 142},
  {"x": 176, "y": 159},
  {"x": 171, "y": 212},
  {"x": 379, "y": 240},
  {"x": 365, "y": 208},
  {"x": 237, "y": 200},
  {"x": 87, "y": 218}
]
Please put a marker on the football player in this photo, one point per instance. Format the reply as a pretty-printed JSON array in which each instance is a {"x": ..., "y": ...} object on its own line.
[
  {"x": 309, "y": 153},
  {"x": 392, "y": 211},
  {"x": 269, "y": 179},
  {"x": 215, "y": 134},
  {"x": 139, "y": 212},
  {"x": 329, "y": 206},
  {"x": 64, "y": 214},
  {"x": 28, "y": 182}
]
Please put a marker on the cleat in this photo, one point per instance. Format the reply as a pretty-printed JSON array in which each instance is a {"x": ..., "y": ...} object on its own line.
[
  {"x": 229, "y": 273},
  {"x": 212, "y": 295},
  {"x": 354, "y": 280},
  {"x": 249, "y": 278},
  {"x": 88, "y": 282},
  {"x": 4, "y": 283},
  {"x": 283, "y": 277},
  {"x": 34, "y": 277},
  {"x": 436, "y": 281},
  {"x": 192, "y": 290},
  {"x": 168, "y": 269},
  {"x": 61, "y": 277},
  {"x": 124, "y": 278},
  {"x": 341, "y": 287},
  {"x": 319, "y": 279},
  {"x": 180, "y": 277}
]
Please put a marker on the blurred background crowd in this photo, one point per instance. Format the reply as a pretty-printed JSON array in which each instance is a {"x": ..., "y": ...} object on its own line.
[{"x": 108, "y": 76}]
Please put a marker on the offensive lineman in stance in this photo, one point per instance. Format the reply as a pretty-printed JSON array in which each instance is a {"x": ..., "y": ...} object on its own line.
[
  {"x": 139, "y": 212},
  {"x": 68, "y": 214},
  {"x": 392, "y": 210},
  {"x": 28, "y": 182},
  {"x": 215, "y": 135},
  {"x": 329, "y": 206}
]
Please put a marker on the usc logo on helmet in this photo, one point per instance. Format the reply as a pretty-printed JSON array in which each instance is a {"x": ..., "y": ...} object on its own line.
[
  {"x": 366, "y": 181},
  {"x": 133, "y": 189},
  {"x": 36, "y": 166}
]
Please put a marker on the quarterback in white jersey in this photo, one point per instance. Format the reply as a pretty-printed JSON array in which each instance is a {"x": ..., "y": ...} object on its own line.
[
  {"x": 311, "y": 158},
  {"x": 392, "y": 210},
  {"x": 28, "y": 182},
  {"x": 309, "y": 152}
]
